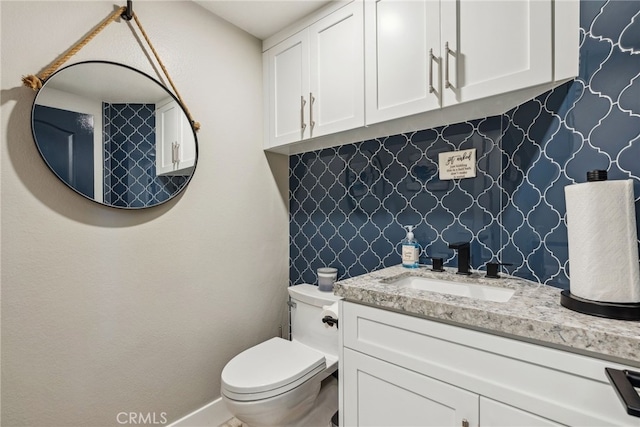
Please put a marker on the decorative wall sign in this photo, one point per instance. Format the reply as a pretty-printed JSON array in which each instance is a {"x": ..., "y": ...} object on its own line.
[{"x": 457, "y": 164}]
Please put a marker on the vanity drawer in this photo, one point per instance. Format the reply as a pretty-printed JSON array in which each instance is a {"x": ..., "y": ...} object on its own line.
[{"x": 565, "y": 387}]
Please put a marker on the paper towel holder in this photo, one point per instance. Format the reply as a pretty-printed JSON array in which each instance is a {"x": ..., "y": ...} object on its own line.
[
  {"x": 610, "y": 310},
  {"x": 597, "y": 175}
]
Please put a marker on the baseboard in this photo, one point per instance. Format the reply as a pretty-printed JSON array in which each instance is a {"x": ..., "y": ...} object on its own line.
[{"x": 212, "y": 414}]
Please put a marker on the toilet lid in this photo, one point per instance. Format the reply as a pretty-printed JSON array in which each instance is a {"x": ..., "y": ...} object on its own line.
[{"x": 271, "y": 365}]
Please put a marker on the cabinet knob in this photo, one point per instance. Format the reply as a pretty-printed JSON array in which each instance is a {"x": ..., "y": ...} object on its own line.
[{"x": 465, "y": 422}]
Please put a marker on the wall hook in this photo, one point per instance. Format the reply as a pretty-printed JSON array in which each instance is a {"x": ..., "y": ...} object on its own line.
[{"x": 127, "y": 15}]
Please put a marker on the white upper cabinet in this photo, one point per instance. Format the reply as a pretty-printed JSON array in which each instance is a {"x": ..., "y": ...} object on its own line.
[
  {"x": 316, "y": 79},
  {"x": 426, "y": 54},
  {"x": 337, "y": 72},
  {"x": 175, "y": 145},
  {"x": 494, "y": 47},
  {"x": 374, "y": 68},
  {"x": 402, "y": 46},
  {"x": 288, "y": 90}
]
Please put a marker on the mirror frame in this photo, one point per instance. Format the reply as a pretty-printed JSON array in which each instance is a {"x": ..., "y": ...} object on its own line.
[{"x": 155, "y": 81}]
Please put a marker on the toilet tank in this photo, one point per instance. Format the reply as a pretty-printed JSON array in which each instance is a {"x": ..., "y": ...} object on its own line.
[{"x": 306, "y": 318}]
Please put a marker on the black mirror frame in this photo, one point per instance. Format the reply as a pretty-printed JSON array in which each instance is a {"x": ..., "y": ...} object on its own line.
[{"x": 195, "y": 137}]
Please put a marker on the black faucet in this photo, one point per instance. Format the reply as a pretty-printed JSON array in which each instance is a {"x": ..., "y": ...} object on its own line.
[{"x": 464, "y": 256}]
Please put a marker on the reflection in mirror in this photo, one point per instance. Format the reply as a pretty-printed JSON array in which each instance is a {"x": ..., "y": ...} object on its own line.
[{"x": 114, "y": 135}]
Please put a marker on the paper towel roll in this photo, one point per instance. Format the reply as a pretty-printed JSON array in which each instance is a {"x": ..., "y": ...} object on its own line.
[
  {"x": 331, "y": 311},
  {"x": 603, "y": 245}
]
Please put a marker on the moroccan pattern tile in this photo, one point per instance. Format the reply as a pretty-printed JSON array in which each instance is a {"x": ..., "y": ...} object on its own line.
[
  {"x": 348, "y": 204},
  {"x": 130, "y": 171}
]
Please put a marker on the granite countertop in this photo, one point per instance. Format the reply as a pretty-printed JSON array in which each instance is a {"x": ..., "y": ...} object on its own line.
[{"x": 533, "y": 313}]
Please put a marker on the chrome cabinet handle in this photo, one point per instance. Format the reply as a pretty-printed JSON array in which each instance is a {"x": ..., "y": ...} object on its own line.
[
  {"x": 303, "y": 125},
  {"x": 175, "y": 152},
  {"x": 311, "y": 101},
  {"x": 447, "y": 51},
  {"x": 431, "y": 59}
]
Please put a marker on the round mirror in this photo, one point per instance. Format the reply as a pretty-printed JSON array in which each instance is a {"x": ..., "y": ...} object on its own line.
[{"x": 114, "y": 135}]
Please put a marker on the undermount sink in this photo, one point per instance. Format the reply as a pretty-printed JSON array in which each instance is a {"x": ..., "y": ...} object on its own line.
[{"x": 469, "y": 290}]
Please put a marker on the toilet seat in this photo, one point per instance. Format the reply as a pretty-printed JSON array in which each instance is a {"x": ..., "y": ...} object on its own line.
[{"x": 269, "y": 369}]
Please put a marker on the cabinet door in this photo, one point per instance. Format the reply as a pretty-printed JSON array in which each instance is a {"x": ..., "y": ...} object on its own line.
[
  {"x": 495, "y": 47},
  {"x": 378, "y": 393},
  {"x": 337, "y": 71},
  {"x": 288, "y": 90},
  {"x": 496, "y": 414},
  {"x": 402, "y": 78},
  {"x": 175, "y": 146}
]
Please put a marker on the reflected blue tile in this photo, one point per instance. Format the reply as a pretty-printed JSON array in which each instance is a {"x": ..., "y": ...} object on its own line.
[
  {"x": 628, "y": 160},
  {"x": 394, "y": 202},
  {"x": 563, "y": 145},
  {"x": 456, "y": 233},
  {"x": 526, "y": 197},
  {"x": 408, "y": 156},
  {"x": 425, "y": 138},
  {"x": 423, "y": 203},
  {"x": 560, "y": 99},
  {"x": 630, "y": 37},
  {"x": 512, "y": 217},
  {"x": 544, "y": 127},
  {"x": 630, "y": 97},
  {"x": 543, "y": 219},
  {"x": 457, "y": 201},
  {"x": 615, "y": 131},
  {"x": 555, "y": 195},
  {"x": 614, "y": 18},
  {"x": 409, "y": 216},
  {"x": 592, "y": 54},
  {"x": 589, "y": 10},
  {"x": 543, "y": 173},
  {"x": 616, "y": 73},
  {"x": 475, "y": 219},
  {"x": 524, "y": 115},
  {"x": 586, "y": 159},
  {"x": 458, "y": 133}
]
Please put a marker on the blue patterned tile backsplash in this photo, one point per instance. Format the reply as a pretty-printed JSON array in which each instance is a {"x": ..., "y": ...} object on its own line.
[
  {"x": 129, "y": 158},
  {"x": 348, "y": 204}
]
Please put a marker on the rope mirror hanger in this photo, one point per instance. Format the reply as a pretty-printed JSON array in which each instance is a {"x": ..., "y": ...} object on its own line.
[{"x": 35, "y": 82}]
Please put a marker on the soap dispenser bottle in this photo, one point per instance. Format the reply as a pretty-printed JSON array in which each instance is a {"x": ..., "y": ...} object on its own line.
[{"x": 410, "y": 249}]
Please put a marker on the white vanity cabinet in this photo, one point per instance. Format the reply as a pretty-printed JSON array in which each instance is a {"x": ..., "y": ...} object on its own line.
[
  {"x": 388, "y": 395},
  {"x": 384, "y": 394},
  {"x": 425, "y": 54},
  {"x": 175, "y": 147},
  {"x": 400, "y": 370},
  {"x": 315, "y": 79}
]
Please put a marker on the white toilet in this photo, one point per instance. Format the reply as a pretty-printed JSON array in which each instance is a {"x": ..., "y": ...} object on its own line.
[{"x": 288, "y": 383}]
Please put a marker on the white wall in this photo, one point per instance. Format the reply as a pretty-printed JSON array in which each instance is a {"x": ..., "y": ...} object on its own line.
[{"x": 105, "y": 310}]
